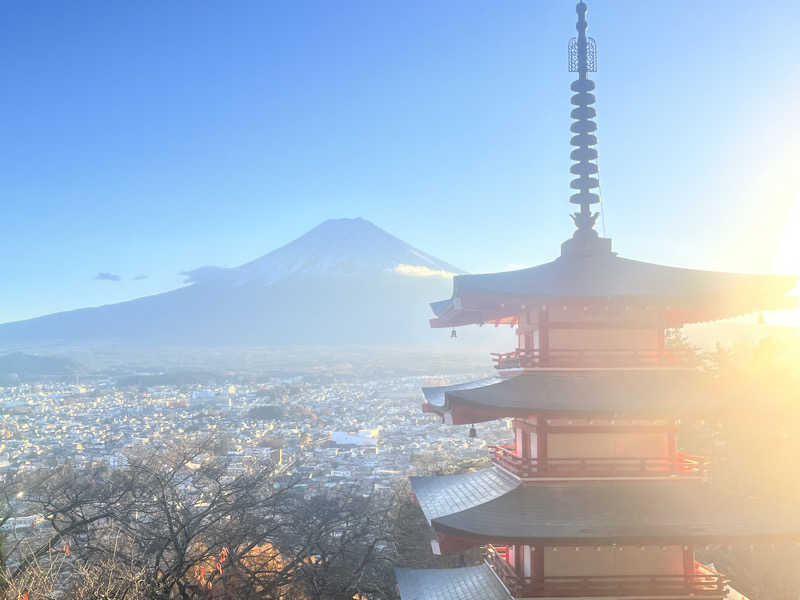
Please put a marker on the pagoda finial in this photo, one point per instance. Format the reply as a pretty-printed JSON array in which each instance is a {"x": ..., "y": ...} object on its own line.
[{"x": 583, "y": 60}]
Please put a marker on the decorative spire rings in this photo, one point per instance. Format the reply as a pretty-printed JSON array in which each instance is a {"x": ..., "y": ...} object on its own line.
[{"x": 583, "y": 60}]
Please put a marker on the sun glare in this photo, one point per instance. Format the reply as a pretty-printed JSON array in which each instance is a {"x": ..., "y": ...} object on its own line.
[{"x": 788, "y": 261}]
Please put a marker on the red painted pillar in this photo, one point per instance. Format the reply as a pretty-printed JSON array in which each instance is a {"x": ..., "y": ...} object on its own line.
[
  {"x": 688, "y": 566},
  {"x": 525, "y": 329},
  {"x": 672, "y": 447},
  {"x": 541, "y": 444},
  {"x": 525, "y": 467},
  {"x": 526, "y": 443},
  {"x": 544, "y": 336},
  {"x": 537, "y": 567}
]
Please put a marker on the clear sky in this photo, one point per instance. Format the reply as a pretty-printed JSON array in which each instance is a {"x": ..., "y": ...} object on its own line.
[{"x": 148, "y": 138}]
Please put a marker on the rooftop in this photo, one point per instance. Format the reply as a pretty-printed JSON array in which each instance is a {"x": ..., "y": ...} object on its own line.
[
  {"x": 465, "y": 583},
  {"x": 645, "y": 393},
  {"x": 598, "y": 512},
  {"x": 686, "y": 295}
]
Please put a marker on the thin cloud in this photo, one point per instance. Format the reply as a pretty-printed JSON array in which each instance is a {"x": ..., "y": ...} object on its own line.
[
  {"x": 107, "y": 277},
  {"x": 420, "y": 271},
  {"x": 140, "y": 277}
]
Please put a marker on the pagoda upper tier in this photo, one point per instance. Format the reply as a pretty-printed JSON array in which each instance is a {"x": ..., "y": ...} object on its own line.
[{"x": 588, "y": 275}]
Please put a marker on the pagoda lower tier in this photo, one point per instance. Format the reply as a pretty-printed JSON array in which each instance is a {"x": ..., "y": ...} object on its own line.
[
  {"x": 492, "y": 507},
  {"x": 604, "y": 539}
]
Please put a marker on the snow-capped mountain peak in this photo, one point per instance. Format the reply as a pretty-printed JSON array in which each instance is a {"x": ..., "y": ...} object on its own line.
[{"x": 337, "y": 247}]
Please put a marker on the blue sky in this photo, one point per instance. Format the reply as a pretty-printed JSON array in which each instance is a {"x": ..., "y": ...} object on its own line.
[{"x": 149, "y": 138}]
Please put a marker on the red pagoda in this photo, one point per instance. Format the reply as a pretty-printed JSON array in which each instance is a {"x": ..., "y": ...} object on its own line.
[{"x": 592, "y": 498}]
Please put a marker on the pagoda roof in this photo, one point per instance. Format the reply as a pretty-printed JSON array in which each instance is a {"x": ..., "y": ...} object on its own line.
[
  {"x": 603, "y": 277},
  {"x": 462, "y": 491},
  {"x": 605, "y": 512},
  {"x": 464, "y": 583},
  {"x": 644, "y": 393}
]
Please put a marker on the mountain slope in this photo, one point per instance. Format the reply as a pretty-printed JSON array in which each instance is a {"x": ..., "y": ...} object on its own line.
[{"x": 344, "y": 282}]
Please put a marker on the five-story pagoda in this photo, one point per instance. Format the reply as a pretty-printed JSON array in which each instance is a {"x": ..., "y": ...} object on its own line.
[{"x": 592, "y": 498}]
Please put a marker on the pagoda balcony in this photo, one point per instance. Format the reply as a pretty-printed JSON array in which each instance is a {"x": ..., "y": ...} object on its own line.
[
  {"x": 681, "y": 465},
  {"x": 592, "y": 358},
  {"x": 702, "y": 583}
]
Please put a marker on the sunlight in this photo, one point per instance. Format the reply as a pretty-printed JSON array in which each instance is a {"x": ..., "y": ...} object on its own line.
[
  {"x": 786, "y": 318},
  {"x": 788, "y": 261}
]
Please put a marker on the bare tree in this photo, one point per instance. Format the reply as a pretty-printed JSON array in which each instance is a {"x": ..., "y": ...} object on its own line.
[
  {"x": 343, "y": 546},
  {"x": 52, "y": 577},
  {"x": 193, "y": 525},
  {"x": 177, "y": 515}
]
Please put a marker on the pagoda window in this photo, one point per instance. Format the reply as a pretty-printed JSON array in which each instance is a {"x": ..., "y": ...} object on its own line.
[
  {"x": 527, "y": 561},
  {"x": 580, "y": 313},
  {"x": 526, "y": 332},
  {"x": 603, "y": 339},
  {"x": 586, "y": 561},
  {"x": 519, "y": 441},
  {"x": 526, "y": 439},
  {"x": 563, "y": 446},
  {"x": 528, "y": 339},
  {"x": 608, "y": 445}
]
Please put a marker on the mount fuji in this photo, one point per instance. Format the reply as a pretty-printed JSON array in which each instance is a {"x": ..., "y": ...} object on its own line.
[
  {"x": 344, "y": 282},
  {"x": 335, "y": 248}
]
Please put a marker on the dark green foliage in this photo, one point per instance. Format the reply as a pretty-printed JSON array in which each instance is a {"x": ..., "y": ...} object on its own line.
[
  {"x": 265, "y": 412},
  {"x": 18, "y": 366}
]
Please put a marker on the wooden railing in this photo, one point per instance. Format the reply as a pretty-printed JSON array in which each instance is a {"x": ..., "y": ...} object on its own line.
[
  {"x": 703, "y": 583},
  {"x": 592, "y": 358},
  {"x": 682, "y": 465}
]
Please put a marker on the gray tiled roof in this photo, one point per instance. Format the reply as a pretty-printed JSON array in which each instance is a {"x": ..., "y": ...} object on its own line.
[
  {"x": 607, "y": 277},
  {"x": 466, "y": 583},
  {"x": 622, "y": 392},
  {"x": 619, "y": 512},
  {"x": 448, "y": 494}
]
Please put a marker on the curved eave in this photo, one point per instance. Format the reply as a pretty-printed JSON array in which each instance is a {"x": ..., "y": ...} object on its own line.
[
  {"x": 465, "y": 583},
  {"x": 617, "y": 512},
  {"x": 686, "y": 295},
  {"x": 705, "y": 310},
  {"x": 470, "y": 539},
  {"x": 436, "y": 395},
  {"x": 436, "y": 402},
  {"x": 632, "y": 393}
]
